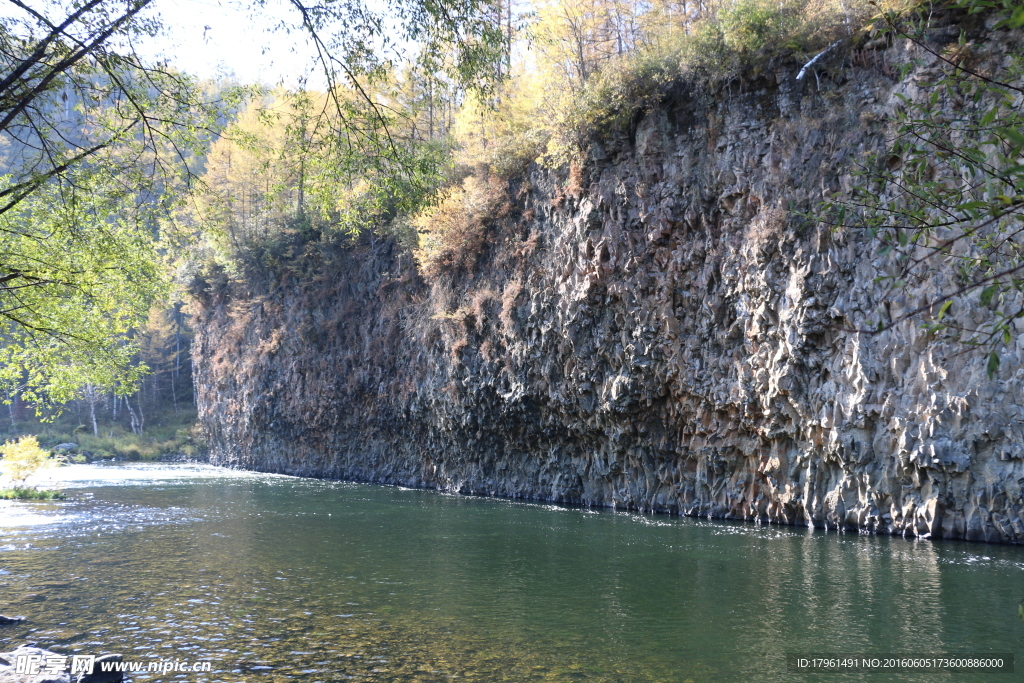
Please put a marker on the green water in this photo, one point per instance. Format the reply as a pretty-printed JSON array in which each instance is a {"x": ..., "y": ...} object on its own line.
[{"x": 279, "y": 579}]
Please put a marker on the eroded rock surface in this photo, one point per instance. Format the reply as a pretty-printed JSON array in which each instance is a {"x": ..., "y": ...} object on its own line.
[{"x": 651, "y": 330}]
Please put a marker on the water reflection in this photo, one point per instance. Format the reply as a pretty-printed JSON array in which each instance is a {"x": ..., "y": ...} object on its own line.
[{"x": 278, "y": 579}]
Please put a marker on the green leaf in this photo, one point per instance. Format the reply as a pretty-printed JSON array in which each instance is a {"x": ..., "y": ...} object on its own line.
[
  {"x": 945, "y": 308},
  {"x": 988, "y": 293},
  {"x": 1015, "y": 136},
  {"x": 1017, "y": 18},
  {"x": 993, "y": 364}
]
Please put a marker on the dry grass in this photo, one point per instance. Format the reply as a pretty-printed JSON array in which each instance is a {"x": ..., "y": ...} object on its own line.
[
  {"x": 452, "y": 232},
  {"x": 574, "y": 184},
  {"x": 508, "y": 305},
  {"x": 488, "y": 351},
  {"x": 478, "y": 303}
]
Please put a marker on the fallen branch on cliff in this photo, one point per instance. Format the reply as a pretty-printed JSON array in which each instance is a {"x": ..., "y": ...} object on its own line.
[{"x": 815, "y": 59}]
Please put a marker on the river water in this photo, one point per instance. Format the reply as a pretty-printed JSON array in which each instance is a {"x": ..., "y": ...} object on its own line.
[{"x": 274, "y": 578}]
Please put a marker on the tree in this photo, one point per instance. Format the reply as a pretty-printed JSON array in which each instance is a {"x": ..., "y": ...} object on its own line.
[
  {"x": 354, "y": 128},
  {"x": 164, "y": 345},
  {"x": 576, "y": 37},
  {"x": 99, "y": 145},
  {"x": 277, "y": 167},
  {"x": 78, "y": 270}
]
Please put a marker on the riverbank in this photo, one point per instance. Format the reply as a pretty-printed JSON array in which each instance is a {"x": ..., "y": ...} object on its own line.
[{"x": 170, "y": 435}]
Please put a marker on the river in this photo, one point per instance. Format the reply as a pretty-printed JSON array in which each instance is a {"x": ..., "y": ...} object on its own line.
[{"x": 272, "y": 578}]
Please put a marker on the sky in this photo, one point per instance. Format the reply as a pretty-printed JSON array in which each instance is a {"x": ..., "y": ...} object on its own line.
[{"x": 216, "y": 38}]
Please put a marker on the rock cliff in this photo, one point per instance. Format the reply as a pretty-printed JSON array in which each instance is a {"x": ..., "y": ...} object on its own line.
[{"x": 655, "y": 328}]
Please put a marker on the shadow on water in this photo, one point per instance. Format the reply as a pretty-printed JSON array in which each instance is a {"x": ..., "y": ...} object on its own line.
[{"x": 275, "y": 578}]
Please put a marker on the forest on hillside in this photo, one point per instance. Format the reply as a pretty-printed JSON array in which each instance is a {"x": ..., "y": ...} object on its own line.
[{"x": 129, "y": 184}]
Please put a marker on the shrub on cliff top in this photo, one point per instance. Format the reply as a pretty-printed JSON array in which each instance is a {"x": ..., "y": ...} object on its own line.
[
  {"x": 583, "y": 85},
  {"x": 733, "y": 36}
]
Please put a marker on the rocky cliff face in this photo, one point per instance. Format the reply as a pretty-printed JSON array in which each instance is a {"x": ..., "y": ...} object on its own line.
[{"x": 655, "y": 329}]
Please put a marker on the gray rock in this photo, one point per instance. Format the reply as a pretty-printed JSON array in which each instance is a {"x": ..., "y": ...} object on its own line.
[
  {"x": 4, "y": 620},
  {"x": 8, "y": 667},
  {"x": 98, "y": 675},
  {"x": 66, "y": 447}
]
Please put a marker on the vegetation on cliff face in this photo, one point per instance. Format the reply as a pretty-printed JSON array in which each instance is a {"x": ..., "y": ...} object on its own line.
[{"x": 956, "y": 162}]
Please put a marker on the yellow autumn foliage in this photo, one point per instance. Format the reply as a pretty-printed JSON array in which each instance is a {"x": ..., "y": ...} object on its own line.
[{"x": 24, "y": 458}]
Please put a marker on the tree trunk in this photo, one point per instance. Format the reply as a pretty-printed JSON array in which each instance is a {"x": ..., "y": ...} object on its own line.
[
  {"x": 177, "y": 359},
  {"x": 132, "y": 416},
  {"x": 90, "y": 396},
  {"x": 142, "y": 419}
]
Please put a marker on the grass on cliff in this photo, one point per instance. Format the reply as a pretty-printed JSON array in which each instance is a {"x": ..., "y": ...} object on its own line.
[
  {"x": 545, "y": 112},
  {"x": 736, "y": 37}
]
